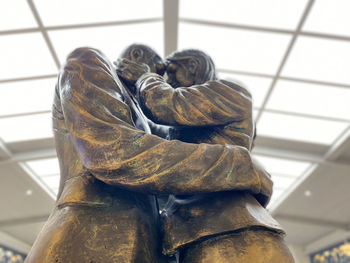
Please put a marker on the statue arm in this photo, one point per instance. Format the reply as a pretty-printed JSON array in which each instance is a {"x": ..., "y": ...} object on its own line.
[
  {"x": 212, "y": 103},
  {"x": 117, "y": 153}
]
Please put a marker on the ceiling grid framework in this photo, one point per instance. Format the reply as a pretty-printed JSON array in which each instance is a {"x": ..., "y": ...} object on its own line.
[
  {"x": 44, "y": 33},
  {"x": 168, "y": 22},
  {"x": 286, "y": 56}
]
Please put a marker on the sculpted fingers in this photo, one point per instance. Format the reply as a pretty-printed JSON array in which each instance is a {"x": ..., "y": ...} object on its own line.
[
  {"x": 125, "y": 74},
  {"x": 130, "y": 71}
]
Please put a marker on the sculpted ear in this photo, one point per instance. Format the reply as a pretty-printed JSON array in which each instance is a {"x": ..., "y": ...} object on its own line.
[
  {"x": 193, "y": 66},
  {"x": 136, "y": 54}
]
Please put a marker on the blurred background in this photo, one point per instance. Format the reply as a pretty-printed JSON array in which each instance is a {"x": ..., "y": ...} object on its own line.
[{"x": 294, "y": 56}]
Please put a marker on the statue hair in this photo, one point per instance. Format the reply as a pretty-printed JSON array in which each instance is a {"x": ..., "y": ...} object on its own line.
[
  {"x": 206, "y": 70},
  {"x": 126, "y": 53}
]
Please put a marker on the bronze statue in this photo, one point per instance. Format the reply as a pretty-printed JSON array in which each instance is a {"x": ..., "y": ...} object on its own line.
[
  {"x": 111, "y": 168},
  {"x": 216, "y": 227}
]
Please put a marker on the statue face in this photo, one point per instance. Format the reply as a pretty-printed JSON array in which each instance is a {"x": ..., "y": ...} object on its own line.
[
  {"x": 143, "y": 54},
  {"x": 181, "y": 73}
]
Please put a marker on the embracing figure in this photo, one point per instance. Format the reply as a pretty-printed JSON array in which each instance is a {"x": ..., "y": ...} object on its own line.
[
  {"x": 225, "y": 226},
  {"x": 114, "y": 171}
]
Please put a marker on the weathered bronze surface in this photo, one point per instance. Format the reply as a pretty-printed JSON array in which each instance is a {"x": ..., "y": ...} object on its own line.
[
  {"x": 112, "y": 167},
  {"x": 204, "y": 109}
]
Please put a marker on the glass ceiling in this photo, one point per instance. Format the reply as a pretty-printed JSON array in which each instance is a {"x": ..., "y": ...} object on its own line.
[
  {"x": 268, "y": 13},
  {"x": 8, "y": 19},
  {"x": 300, "y": 94},
  {"x": 111, "y": 40},
  {"x": 236, "y": 49},
  {"x": 47, "y": 171},
  {"x": 67, "y": 12}
]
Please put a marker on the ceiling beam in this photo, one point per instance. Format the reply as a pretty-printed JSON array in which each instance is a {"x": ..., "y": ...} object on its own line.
[
  {"x": 262, "y": 75},
  {"x": 339, "y": 146},
  {"x": 19, "y": 31},
  {"x": 44, "y": 33},
  {"x": 297, "y": 156},
  {"x": 14, "y": 243},
  {"x": 24, "y": 114},
  {"x": 78, "y": 26},
  {"x": 5, "y": 153},
  {"x": 235, "y": 26},
  {"x": 49, "y": 76},
  {"x": 313, "y": 221},
  {"x": 306, "y": 115},
  {"x": 335, "y": 237},
  {"x": 28, "y": 156},
  {"x": 262, "y": 29},
  {"x": 171, "y": 22}
]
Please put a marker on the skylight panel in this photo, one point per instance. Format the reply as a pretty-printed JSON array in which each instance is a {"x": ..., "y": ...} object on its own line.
[
  {"x": 329, "y": 16},
  {"x": 110, "y": 40},
  {"x": 255, "y": 113},
  {"x": 257, "y": 86},
  {"x": 299, "y": 128},
  {"x": 44, "y": 167},
  {"x": 236, "y": 49},
  {"x": 52, "y": 182},
  {"x": 25, "y": 55},
  {"x": 267, "y": 13},
  {"x": 26, "y": 96},
  {"x": 278, "y": 166},
  {"x": 15, "y": 14},
  {"x": 276, "y": 194},
  {"x": 67, "y": 12},
  {"x": 282, "y": 182},
  {"x": 312, "y": 99},
  {"x": 24, "y": 128},
  {"x": 319, "y": 59}
]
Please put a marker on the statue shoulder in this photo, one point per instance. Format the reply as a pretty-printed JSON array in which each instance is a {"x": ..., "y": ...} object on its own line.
[{"x": 236, "y": 85}]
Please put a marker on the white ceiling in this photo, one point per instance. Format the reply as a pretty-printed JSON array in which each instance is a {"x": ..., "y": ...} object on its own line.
[{"x": 294, "y": 56}]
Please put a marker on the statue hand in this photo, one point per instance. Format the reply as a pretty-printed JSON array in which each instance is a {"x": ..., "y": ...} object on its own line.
[{"x": 130, "y": 71}]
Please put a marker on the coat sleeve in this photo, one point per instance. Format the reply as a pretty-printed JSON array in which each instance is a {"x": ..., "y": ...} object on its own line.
[
  {"x": 114, "y": 151},
  {"x": 209, "y": 104}
]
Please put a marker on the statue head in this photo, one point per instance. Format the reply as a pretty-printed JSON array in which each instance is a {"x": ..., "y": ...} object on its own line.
[
  {"x": 189, "y": 67},
  {"x": 144, "y": 54}
]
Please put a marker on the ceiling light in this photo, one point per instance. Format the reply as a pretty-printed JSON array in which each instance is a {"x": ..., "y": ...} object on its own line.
[{"x": 307, "y": 193}]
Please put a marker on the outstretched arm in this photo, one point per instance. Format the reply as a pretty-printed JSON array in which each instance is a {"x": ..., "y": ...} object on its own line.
[
  {"x": 114, "y": 151},
  {"x": 209, "y": 104}
]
